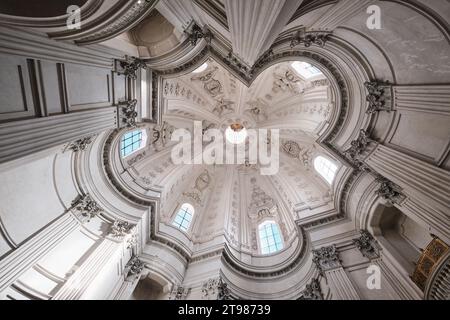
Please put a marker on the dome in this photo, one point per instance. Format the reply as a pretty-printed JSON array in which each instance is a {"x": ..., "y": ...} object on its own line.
[{"x": 272, "y": 123}]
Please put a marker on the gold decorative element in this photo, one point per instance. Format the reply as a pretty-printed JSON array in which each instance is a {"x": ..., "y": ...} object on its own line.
[{"x": 429, "y": 259}]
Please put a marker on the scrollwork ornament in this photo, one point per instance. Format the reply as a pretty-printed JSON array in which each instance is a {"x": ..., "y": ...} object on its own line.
[
  {"x": 326, "y": 258},
  {"x": 129, "y": 113},
  {"x": 389, "y": 191},
  {"x": 130, "y": 67},
  {"x": 80, "y": 144},
  {"x": 308, "y": 38},
  {"x": 195, "y": 33},
  {"x": 86, "y": 207},
  {"x": 378, "y": 96},
  {"x": 367, "y": 244},
  {"x": 358, "y": 146},
  {"x": 312, "y": 291},
  {"x": 216, "y": 288},
  {"x": 179, "y": 293},
  {"x": 120, "y": 229},
  {"x": 134, "y": 267}
]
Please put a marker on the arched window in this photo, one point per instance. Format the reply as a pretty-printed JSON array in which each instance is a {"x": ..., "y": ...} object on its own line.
[
  {"x": 202, "y": 68},
  {"x": 270, "y": 237},
  {"x": 305, "y": 69},
  {"x": 325, "y": 168},
  {"x": 132, "y": 141},
  {"x": 184, "y": 217}
]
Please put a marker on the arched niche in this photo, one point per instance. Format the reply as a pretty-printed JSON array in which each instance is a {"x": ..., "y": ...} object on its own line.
[
  {"x": 400, "y": 235},
  {"x": 150, "y": 288}
]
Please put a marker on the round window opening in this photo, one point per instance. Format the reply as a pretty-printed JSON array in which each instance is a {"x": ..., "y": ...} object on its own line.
[{"x": 236, "y": 133}]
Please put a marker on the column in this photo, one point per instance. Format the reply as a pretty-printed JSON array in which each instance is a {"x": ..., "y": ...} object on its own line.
[
  {"x": 400, "y": 283},
  {"x": 339, "y": 14},
  {"x": 255, "y": 24},
  {"x": 24, "y": 257},
  {"x": 25, "y": 137},
  {"x": 426, "y": 186},
  {"x": 434, "y": 98},
  {"x": 121, "y": 234},
  {"x": 79, "y": 282},
  {"x": 327, "y": 261}
]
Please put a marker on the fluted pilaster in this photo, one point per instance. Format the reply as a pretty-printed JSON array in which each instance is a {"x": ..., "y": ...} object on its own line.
[
  {"x": 339, "y": 14},
  {"x": 24, "y": 257},
  {"x": 255, "y": 24}
]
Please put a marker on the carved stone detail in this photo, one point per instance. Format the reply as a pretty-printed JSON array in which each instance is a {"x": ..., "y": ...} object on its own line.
[
  {"x": 161, "y": 134},
  {"x": 130, "y": 66},
  {"x": 292, "y": 149},
  {"x": 216, "y": 288},
  {"x": 367, "y": 244},
  {"x": 136, "y": 158},
  {"x": 80, "y": 144},
  {"x": 195, "y": 33},
  {"x": 120, "y": 229},
  {"x": 211, "y": 85},
  {"x": 389, "y": 191},
  {"x": 134, "y": 267},
  {"x": 129, "y": 113},
  {"x": 223, "y": 107},
  {"x": 86, "y": 207},
  {"x": 308, "y": 38},
  {"x": 262, "y": 205},
  {"x": 179, "y": 293},
  {"x": 237, "y": 64},
  {"x": 201, "y": 183},
  {"x": 358, "y": 146},
  {"x": 121, "y": 24},
  {"x": 379, "y": 96},
  {"x": 312, "y": 291},
  {"x": 326, "y": 258}
]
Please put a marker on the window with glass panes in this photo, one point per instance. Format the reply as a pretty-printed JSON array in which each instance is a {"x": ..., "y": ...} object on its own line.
[
  {"x": 184, "y": 217},
  {"x": 270, "y": 238},
  {"x": 325, "y": 168},
  {"x": 131, "y": 141}
]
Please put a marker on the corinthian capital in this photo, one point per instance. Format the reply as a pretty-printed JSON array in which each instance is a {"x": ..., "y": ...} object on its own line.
[
  {"x": 86, "y": 207},
  {"x": 367, "y": 244},
  {"x": 379, "y": 96},
  {"x": 326, "y": 258}
]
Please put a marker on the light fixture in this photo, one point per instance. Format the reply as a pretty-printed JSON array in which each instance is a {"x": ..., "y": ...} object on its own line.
[
  {"x": 236, "y": 133},
  {"x": 201, "y": 68}
]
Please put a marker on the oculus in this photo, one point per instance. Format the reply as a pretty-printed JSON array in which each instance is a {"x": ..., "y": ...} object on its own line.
[{"x": 236, "y": 133}]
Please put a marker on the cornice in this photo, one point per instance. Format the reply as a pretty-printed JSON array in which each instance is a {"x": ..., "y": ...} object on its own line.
[
  {"x": 244, "y": 269},
  {"x": 121, "y": 17}
]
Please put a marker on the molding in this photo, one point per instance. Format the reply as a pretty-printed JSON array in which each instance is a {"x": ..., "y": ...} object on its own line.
[{"x": 121, "y": 17}]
